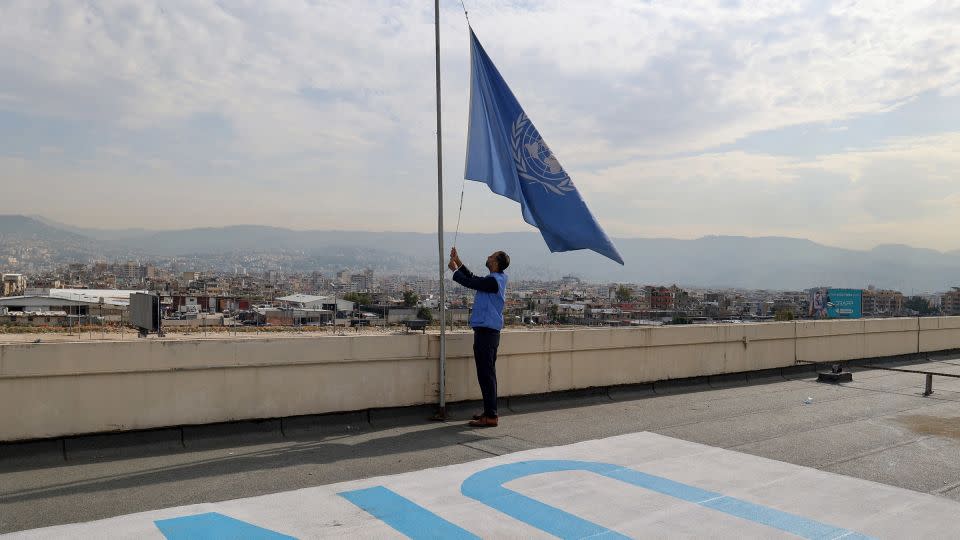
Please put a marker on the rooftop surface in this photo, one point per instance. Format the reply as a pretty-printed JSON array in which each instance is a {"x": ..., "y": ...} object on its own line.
[{"x": 877, "y": 428}]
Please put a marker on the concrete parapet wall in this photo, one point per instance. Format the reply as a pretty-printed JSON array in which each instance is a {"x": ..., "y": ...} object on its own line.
[
  {"x": 939, "y": 333},
  {"x": 57, "y": 389},
  {"x": 825, "y": 341}
]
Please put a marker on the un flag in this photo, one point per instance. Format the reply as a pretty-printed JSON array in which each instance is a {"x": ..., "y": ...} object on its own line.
[{"x": 506, "y": 152}]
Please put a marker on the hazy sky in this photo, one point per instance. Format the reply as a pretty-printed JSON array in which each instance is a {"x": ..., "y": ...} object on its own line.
[{"x": 836, "y": 121}]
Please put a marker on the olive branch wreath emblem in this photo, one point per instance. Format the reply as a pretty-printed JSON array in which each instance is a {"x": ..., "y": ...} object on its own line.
[{"x": 559, "y": 188}]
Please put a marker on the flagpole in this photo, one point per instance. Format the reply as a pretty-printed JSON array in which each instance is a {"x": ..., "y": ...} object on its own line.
[{"x": 442, "y": 412}]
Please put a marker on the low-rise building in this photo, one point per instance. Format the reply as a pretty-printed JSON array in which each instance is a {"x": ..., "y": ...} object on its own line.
[
  {"x": 67, "y": 309},
  {"x": 14, "y": 284},
  {"x": 297, "y": 316},
  {"x": 661, "y": 298},
  {"x": 950, "y": 302},
  {"x": 878, "y": 302},
  {"x": 311, "y": 301}
]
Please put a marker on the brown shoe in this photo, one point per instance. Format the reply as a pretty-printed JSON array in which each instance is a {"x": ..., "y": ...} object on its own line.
[{"x": 484, "y": 421}]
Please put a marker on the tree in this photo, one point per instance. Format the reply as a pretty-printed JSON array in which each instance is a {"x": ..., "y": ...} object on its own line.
[
  {"x": 918, "y": 304},
  {"x": 553, "y": 312},
  {"x": 783, "y": 315},
  {"x": 425, "y": 314},
  {"x": 410, "y": 298},
  {"x": 358, "y": 298},
  {"x": 624, "y": 293}
]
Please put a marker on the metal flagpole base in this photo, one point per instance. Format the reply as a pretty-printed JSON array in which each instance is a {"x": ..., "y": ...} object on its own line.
[{"x": 440, "y": 415}]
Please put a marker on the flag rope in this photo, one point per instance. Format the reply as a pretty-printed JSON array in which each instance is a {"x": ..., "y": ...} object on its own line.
[
  {"x": 464, "y": 183},
  {"x": 459, "y": 213}
]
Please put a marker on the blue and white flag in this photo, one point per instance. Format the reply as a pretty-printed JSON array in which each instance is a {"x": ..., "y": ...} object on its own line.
[{"x": 505, "y": 151}]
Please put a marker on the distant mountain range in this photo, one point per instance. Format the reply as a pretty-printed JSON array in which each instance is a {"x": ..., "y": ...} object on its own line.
[
  {"x": 30, "y": 228},
  {"x": 717, "y": 261}
]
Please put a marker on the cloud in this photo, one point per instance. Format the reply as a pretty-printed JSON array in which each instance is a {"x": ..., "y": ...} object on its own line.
[
  {"x": 731, "y": 169},
  {"x": 321, "y": 114},
  {"x": 930, "y": 158},
  {"x": 904, "y": 188},
  {"x": 678, "y": 76}
]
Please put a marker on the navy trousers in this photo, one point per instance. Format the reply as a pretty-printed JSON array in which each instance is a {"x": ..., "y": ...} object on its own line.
[{"x": 485, "y": 344}]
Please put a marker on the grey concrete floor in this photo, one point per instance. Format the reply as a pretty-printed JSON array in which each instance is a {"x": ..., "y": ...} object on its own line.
[{"x": 879, "y": 427}]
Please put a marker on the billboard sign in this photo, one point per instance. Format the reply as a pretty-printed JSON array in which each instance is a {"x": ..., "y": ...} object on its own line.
[
  {"x": 836, "y": 303},
  {"x": 145, "y": 312}
]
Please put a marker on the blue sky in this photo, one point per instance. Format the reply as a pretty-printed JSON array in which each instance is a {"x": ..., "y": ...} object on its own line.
[{"x": 834, "y": 121}]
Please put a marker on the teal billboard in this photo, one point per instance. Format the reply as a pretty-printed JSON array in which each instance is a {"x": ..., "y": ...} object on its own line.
[{"x": 836, "y": 303}]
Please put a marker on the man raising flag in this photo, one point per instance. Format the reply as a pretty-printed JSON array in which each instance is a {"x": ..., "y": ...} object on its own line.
[{"x": 486, "y": 319}]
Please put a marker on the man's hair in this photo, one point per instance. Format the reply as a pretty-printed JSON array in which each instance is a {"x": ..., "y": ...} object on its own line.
[{"x": 503, "y": 260}]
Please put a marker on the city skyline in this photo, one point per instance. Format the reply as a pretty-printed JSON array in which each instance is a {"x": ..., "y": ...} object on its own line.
[
  {"x": 30, "y": 245},
  {"x": 837, "y": 125}
]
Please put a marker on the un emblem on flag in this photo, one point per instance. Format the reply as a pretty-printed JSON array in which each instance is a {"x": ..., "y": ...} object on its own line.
[{"x": 535, "y": 162}]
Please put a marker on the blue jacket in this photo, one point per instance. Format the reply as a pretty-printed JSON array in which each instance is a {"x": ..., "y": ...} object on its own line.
[{"x": 489, "y": 300}]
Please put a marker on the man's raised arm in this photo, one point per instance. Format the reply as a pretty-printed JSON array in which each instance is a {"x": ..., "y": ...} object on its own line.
[{"x": 465, "y": 277}]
